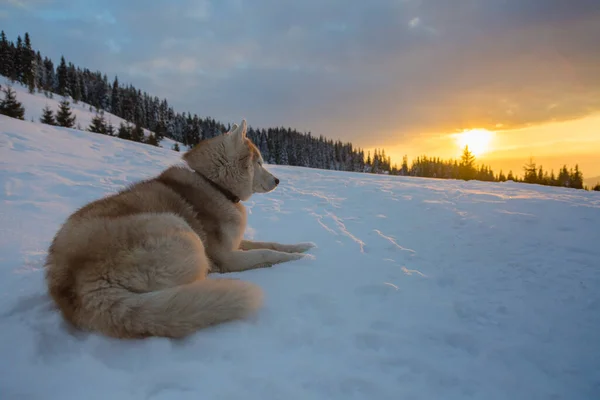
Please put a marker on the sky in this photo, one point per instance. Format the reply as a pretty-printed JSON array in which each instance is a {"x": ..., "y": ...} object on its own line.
[{"x": 399, "y": 74}]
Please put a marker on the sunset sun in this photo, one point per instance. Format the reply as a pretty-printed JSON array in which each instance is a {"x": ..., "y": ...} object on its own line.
[{"x": 478, "y": 140}]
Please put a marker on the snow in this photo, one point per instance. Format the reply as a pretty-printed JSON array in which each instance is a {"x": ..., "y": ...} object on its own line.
[{"x": 419, "y": 288}]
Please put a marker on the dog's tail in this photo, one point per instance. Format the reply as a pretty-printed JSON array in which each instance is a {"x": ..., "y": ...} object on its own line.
[{"x": 178, "y": 311}]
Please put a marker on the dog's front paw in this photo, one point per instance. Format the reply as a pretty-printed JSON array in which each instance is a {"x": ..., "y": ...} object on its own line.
[
  {"x": 287, "y": 257},
  {"x": 300, "y": 256},
  {"x": 301, "y": 247}
]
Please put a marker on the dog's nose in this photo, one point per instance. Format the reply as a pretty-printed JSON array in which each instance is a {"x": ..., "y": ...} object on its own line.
[{"x": 276, "y": 181}]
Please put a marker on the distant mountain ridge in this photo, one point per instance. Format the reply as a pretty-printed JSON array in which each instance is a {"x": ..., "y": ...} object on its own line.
[{"x": 591, "y": 182}]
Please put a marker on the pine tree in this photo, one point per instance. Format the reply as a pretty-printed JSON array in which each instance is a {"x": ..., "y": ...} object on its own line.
[
  {"x": 115, "y": 98},
  {"x": 404, "y": 168},
  {"x": 501, "y": 177},
  {"x": 530, "y": 174},
  {"x": 62, "y": 78},
  {"x": 151, "y": 140},
  {"x": 64, "y": 117},
  {"x": 124, "y": 131},
  {"x": 48, "y": 116},
  {"x": 76, "y": 85},
  {"x": 5, "y": 56},
  {"x": 18, "y": 61},
  {"x": 50, "y": 75},
  {"x": 137, "y": 134},
  {"x": 376, "y": 162},
  {"x": 160, "y": 130},
  {"x": 39, "y": 72},
  {"x": 564, "y": 178},
  {"x": 553, "y": 181},
  {"x": 597, "y": 187},
  {"x": 28, "y": 60},
  {"x": 576, "y": 178},
  {"x": 467, "y": 165},
  {"x": 541, "y": 177},
  {"x": 12, "y": 62},
  {"x": 98, "y": 125},
  {"x": 110, "y": 129},
  {"x": 10, "y": 106}
]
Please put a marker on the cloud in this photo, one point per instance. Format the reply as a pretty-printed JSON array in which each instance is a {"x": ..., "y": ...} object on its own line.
[
  {"x": 113, "y": 46},
  {"x": 17, "y": 3},
  {"x": 416, "y": 24},
  {"x": 374, "y": 72},
  {"x": 199, "y": 10},
  {"x": 105, "y": 17}
]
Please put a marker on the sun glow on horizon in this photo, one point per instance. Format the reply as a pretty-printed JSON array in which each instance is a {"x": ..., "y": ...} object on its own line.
[{"x": 478, "y": 140}]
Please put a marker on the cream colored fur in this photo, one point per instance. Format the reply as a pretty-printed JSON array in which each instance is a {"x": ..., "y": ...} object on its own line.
[{"x": 135, "y": 264}]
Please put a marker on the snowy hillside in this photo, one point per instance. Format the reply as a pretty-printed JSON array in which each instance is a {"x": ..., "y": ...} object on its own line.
[
  {"x": 34, "y": 103},
  {"x": 419, "y": 289}
]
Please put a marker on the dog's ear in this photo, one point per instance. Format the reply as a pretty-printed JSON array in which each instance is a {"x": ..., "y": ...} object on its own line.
[
  {"x": 233, "y": 128},
  {"x": 238, "y": 134}
]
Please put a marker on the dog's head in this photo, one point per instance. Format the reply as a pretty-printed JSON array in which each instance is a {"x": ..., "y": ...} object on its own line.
[{"x": 233, "y": 161}]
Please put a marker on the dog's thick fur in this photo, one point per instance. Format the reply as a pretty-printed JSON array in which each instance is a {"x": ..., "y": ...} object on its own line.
[{"x": 135, "y": 264}]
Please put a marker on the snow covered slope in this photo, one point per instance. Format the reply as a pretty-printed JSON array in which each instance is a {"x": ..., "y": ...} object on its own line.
[
  {"x": 35, "y": 102},
  {"x": 419, "y": 289}
]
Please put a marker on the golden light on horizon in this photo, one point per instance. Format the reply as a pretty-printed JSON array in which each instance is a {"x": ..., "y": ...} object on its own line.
[
  {"x": 552, "y": 144},
  {"x": 478, "y": 140}
]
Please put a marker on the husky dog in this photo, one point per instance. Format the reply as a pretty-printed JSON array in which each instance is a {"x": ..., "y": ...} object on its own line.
[{"x": 135, "y": 264}]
